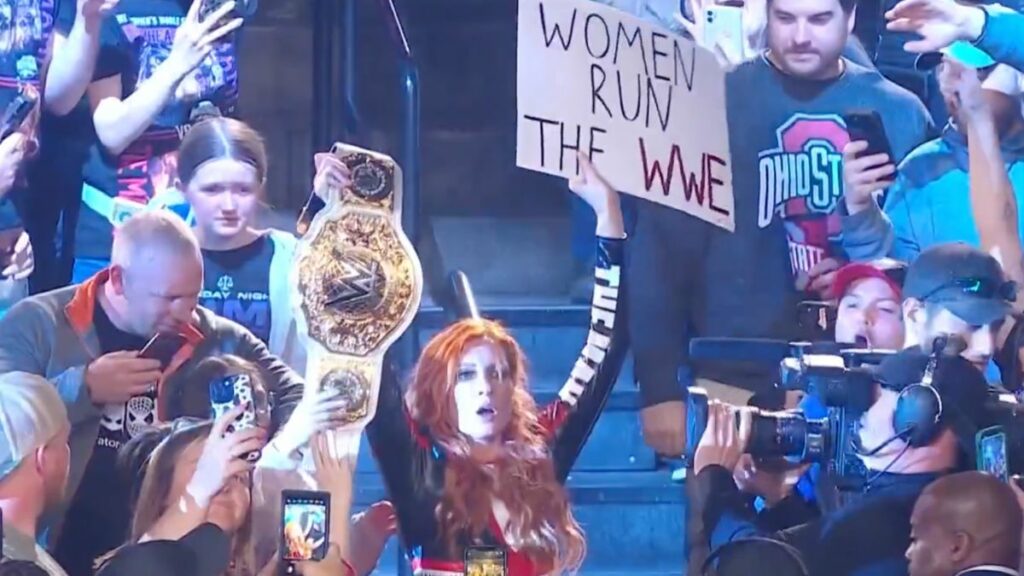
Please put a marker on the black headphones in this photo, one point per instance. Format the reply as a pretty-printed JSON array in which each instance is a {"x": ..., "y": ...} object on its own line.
[{"x": 919, "y": 406}]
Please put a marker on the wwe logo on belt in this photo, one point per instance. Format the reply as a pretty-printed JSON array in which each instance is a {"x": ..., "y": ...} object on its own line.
[{"x": 356, "y": 283}]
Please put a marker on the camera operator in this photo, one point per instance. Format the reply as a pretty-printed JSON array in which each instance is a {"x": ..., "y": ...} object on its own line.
[
  {"x": 870, "y": 534},
  {"x": 965, "y": 524}
]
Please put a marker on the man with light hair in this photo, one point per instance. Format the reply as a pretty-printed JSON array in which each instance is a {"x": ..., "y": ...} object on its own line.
[
  {"x": 34, "y": 459},
  {"x": 86, "y": 340}
]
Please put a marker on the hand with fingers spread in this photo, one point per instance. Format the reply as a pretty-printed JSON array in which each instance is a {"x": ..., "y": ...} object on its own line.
[
  {"x": 195, "y": 38},
  {"x": 22, "y": 261},
  {"x": 939, "y": 23},
  {"x": 115, "y": 377},
  {"x": 723, "y": 442},
  {"x": 332, "y": 175},
  {"x": 333, "y": 471},
  {"x": 316, "y": 412},
  {"x": 754, "y": 24},
  {"x": 864, "y": 176},
  {"x": 223, "y": 457},
  {"x": 597, "y": 192}
]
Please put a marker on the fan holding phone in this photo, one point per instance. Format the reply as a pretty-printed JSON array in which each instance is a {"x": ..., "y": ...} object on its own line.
[{"x": 200, "y": 473}]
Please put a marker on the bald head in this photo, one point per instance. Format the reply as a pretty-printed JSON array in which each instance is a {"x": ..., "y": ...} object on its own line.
[
  {"x": 156, "y": 274},
  {"x": 962, "y": 521},
  {"x": 151, "y": 234}
]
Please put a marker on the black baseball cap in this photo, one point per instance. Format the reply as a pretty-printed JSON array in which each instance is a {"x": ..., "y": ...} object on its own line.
[
  {"x": 964, "y": 280},
  {"x": 205, "y": 551}
]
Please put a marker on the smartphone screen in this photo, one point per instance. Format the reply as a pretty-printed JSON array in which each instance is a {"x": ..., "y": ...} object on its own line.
[
  {"x": 305, "y": 526},
  {"x": 867, "y": 126},
  {"x": 485, "y": 561},
  {"x": 991, "y": 450},
  {"x": 163, "y": 347}
]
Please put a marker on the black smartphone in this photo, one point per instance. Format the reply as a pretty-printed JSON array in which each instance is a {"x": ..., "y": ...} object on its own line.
[
  {"x": 485, "y": 561},
  {"x": 990, "y": 446},
  {"x": 18, "y": 111},
  {"x": 163, "y": 347},
  {"x": 867, "y": 125},
  {"x": 228, "y": 392},
  {"x": 305, "y": 526},
  {"x": 817, "y": 320}
]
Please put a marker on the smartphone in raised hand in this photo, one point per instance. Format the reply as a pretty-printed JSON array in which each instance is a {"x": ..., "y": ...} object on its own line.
[
  {"x": 305, "y": 527},
  {"x": 723, "y": 26},
  {"x": 990, "y": 447},
  {"x": 225, "y": 395},
  {"x": 867, "y": 126}
]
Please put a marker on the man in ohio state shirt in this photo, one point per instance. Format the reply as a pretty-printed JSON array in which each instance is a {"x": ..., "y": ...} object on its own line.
[{"x": 785, "y": 111}]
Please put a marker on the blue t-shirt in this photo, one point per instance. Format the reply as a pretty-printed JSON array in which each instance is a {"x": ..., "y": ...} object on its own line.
[{"x": 138, "y": 39}]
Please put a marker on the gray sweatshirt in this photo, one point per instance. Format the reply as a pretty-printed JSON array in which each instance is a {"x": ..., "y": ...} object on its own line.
[{"x": 786, "y": 138}]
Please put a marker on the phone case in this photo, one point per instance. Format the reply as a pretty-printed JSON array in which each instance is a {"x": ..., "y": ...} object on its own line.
[
  {"x": 724, "y": 25},
  {"x": 229, "y": 392}
]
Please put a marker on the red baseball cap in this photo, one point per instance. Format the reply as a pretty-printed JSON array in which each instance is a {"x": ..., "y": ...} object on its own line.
[{"x": 851, "y": 273}]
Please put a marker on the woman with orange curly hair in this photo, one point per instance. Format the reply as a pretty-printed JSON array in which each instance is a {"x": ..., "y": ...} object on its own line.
[{"x": 468, "y": 457}]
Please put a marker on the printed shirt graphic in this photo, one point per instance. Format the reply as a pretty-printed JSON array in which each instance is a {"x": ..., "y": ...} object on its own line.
[
  {"x": 143, "y": 176},
  {"x": 801, "y": 182},
  {"x": 122, "y": 422},
  {"x": 25, "y": 30},
  {"x": 237, "y": 285}
]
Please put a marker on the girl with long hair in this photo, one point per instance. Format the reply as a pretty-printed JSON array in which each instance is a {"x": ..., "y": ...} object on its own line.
[
  {"x": 468, "y": 457},
  {"x": 222, "y": 170},
  {"x": 198, "y": 474}
]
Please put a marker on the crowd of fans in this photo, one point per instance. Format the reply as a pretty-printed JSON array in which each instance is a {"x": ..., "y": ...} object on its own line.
[{"x": 130, "y": 196}]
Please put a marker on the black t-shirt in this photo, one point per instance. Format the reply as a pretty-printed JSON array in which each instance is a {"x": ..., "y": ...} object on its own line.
[
  {"x": 237, "y": 285},
  {"x": 99, "y": 516},
  {"x": 26, "y": 27},
  {"x": 144, "y": 174}
]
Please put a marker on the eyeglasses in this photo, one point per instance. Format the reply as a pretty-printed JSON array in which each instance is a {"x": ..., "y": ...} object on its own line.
[{"x": 978, "y": 287}]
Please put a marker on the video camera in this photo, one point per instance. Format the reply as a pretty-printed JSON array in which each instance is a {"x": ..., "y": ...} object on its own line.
[{"x": 840, "y": 379}]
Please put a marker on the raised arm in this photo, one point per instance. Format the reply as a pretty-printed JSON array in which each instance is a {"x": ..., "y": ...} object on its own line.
[
  {"x": 396, "y": 442},
  {"x": 938, "y": 23},
  {"x": 73, "y": 55},
  {"x": 572, "y": 416},
  {"x": 993, "y": 203},
  {"x": 119, "y": 122}
]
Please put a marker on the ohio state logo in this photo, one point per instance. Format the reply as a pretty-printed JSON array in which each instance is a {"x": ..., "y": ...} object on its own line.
[
  {"x": 801, "y": 181},
  {"x": 804, "y": 175}
]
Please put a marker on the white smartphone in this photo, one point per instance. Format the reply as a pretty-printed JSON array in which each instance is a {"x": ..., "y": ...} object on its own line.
[{"x": 724, "y": 25}]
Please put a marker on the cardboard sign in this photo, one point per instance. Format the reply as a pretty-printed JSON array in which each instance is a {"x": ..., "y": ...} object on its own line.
[{"x": 647, "y": 105}]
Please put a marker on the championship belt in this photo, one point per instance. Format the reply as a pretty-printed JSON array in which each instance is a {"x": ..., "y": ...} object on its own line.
[{"x": 356, "y": 286}]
